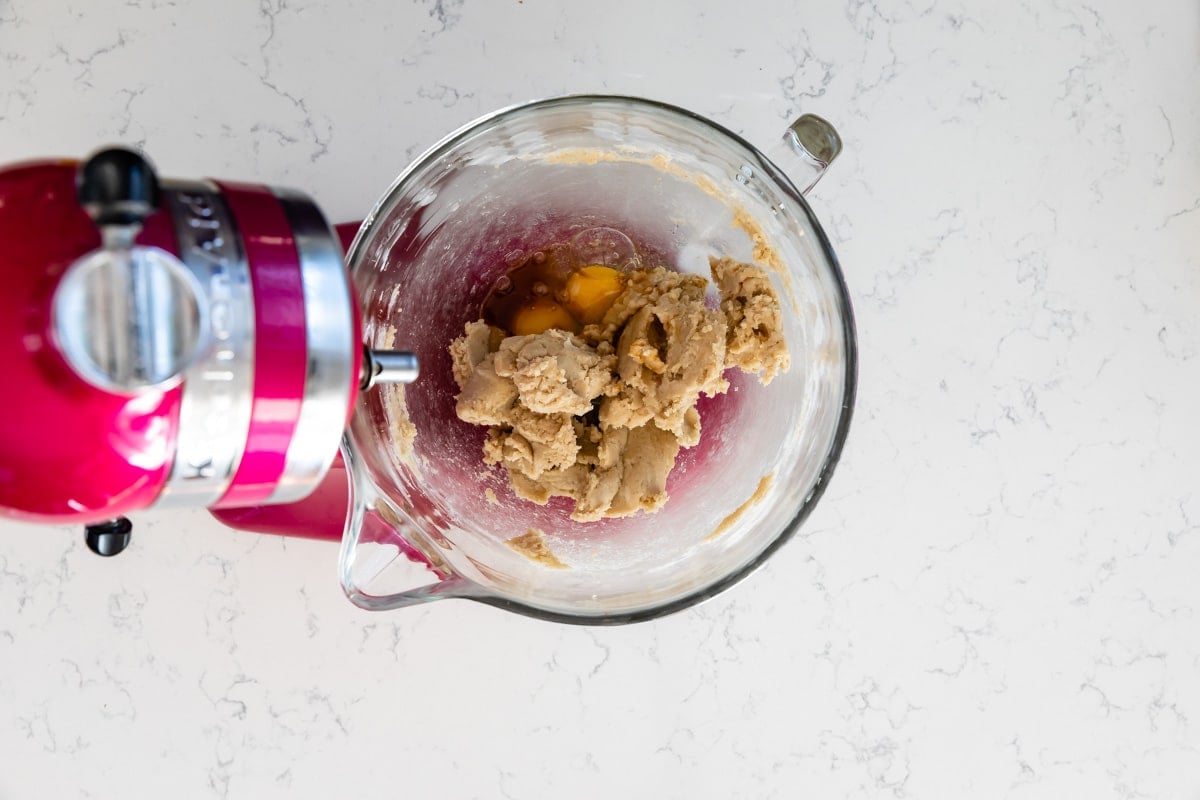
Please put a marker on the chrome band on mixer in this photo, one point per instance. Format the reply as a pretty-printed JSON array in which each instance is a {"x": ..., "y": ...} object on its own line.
[
  {"x": 332, "y": 341},
  {"x": 218, "y": 396}
]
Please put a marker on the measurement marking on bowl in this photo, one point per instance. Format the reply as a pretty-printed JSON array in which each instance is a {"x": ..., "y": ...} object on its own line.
[{"x": 760, "y": 493}]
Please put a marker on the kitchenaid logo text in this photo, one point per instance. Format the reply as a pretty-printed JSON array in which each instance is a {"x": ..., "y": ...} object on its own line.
[
  {"x": 208, "y": 247},
  {"x": 217, "y": 389}
]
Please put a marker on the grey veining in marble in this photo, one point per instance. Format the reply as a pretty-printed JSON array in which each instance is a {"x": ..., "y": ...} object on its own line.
[{"x": 997, "y": 596}]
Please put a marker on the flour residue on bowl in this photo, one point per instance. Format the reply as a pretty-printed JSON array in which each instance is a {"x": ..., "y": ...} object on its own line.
[{"x": 764, "y": 486}]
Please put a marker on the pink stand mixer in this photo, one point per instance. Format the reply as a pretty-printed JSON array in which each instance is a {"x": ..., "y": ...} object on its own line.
[
  {"x": 175, "y": 343},
  {"x": 194, "y": 343}
]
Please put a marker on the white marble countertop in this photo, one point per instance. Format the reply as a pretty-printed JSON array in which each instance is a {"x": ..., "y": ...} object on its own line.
[{"x": 996, "y": 598}]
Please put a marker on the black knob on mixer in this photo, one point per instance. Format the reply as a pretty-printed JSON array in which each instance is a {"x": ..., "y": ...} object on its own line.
[
  {"x": 108, "y": 538},
  {"x": 117, "y": 187}
]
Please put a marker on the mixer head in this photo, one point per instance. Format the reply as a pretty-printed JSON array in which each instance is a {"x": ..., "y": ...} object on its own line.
[{"x": 170, "y": 344}]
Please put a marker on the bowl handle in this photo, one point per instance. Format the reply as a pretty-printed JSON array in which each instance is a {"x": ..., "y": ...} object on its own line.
[{"x": 808, "y": 147}]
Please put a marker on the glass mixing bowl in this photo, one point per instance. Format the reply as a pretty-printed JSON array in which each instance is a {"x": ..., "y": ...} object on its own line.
[{"x": 423, "y": 262}]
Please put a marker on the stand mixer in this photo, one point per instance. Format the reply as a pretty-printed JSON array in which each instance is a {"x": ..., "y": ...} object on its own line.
[
  {"x": 201, "y": 343},
  {"x": 170, "y": 343}
]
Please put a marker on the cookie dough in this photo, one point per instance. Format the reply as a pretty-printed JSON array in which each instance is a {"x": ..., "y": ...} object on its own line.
[
  {"x": 754, "y": 337},
  {"x": 600, "y": 416},
  {"x": 532, "y": 544}
]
